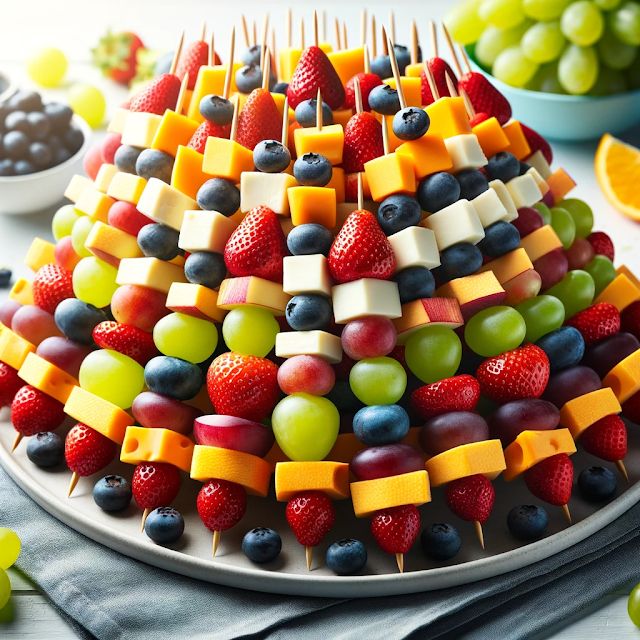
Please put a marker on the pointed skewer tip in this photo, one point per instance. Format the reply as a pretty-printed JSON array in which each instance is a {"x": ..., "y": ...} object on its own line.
[
  {"x": 308, "y": 552},
  {"x": 567, "y": 513},
  {"x": 479, "y": 533},
  {"x": 72, "y": 485},
  {"x": 400, "y": 562},
  {"x": 214, "y": 543}
]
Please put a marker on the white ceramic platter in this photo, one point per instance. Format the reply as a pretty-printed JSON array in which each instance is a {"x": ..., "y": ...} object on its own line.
[{"x": 288, "y": 574}]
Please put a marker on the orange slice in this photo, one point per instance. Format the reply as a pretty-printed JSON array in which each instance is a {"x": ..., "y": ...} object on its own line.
[{"x": 617, "y": 167}]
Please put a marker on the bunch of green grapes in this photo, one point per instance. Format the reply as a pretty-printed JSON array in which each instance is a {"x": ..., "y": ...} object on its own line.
[{"x": 559, "y": 46}]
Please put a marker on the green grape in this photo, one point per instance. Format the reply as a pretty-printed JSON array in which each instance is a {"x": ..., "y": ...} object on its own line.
[
  {"x": 544, "y": 211},
  {"x": 576, "y": 292},
  {"x": 89, "y": 103},
  {"x": 81, "y": 228},
  {"x": 5, "y": 588},
  {"x": 378, "y": 380},
  {"x": 602, "y": 271},
  {"x": 582, "y": 23},
  {"x": 615, "y": 53},
  {"x": 186, "y": 337},
  {"x": 513, "y": 67},
  {"x": 63, "y": 220},
  {"x": 546, "y": 79},
  {"x": 542, "y": 314},
  {"x": 624, "y": 22},
  {"x": 433, "y": 353},
  {"x": 47, "y": 67},
  {"x": 582, "y": 215},
  {"x": 503, "y": 14},
  {"x": 305, "y": 426},
  {"x": 494, "y": 40},
  {"x": 94, "y": 281},
  {"x": 495, "y": 330},
  {"x": 9, "y": 547},
  {"x": 607, "y": 5},
  {"x": 633, "y": 605},
  {"x": 544, "y": 9},
  {"x": 464, "y": 23},
  {"x": 563, "y": 225},
  {"x": 250, "y": 331},
  {"x": 543, "y": 42},
  {"x": 609, "y": 82},
  {"x": 112, "y": 376},
  {"x": 578, "y": 69}
]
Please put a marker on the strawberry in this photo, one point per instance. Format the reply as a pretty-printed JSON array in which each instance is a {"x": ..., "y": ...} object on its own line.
[
  {"x": 630, "y": 319},
  {"x": 396, "y": 529},
  {"x": 478, "y": 118},
  {"x": 221, "y": 504},
  {"x": 243, "y": 386},
  {"x": 87, "y": 451},
  {"x": 155, "y": 484},
  {"x": 606, "y": 439},
  {"x": 33, "y": 411},
  {"x": 208, "y": 130},
  {"x": 126, "y": 339},
  {"x": 361, "y": 250},
  {"x": 367, "y": 82},
  {"x": 157, "y": 96},
  {"x": 631, "y": 408},
  {"x": 514, "y": 375},
  {"x": 537, "y": 143},
  {"x": 257, "y": 246},
  {"x": 259, "y": 120},
  {"x": 439, "y": 69},
  {"x": 310, "y": 515},
  {"x": 602, "y": 244},
  {"x": 551, "y": 479},
  {"x": 51, "y": 285},
  {"x": 351, "y": 188},
  {"x": 314, "y": 71},
  {"x": 471, "y": 498},
  {"x": 460, "y": 393},
  {"x": 362, "y": 142},
  {"x": 597, "y": 322},
  {"x": 485, "y": 97},
  {"x": 10, "y": 384},
  {"x": 194, "y": 56},
  {"x": 116, "y": 55}
]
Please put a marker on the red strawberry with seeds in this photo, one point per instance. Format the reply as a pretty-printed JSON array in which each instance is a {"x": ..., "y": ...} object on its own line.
[
  {"x": 194, "y": 56},
  {"x": 310, "y": 515},
  {"x": 606, "y": 439},
  {"x": 126, "y": 339},
  {"x": 314, "y": 71},
  {"x": 630, "y": 319},
  {"x": 459, "y": 393},
  {"x": 51, "y": 285},
  {"x": 602, "y": 244},
  {"x": 368, "y": 81},
  {"x": 259, "y": 120},
  {"x": 351, "y": 188},
  {"x": 257, "y": 246},
  {"x": 87, "y": 451},
  {"x": 243, "y": 386},
  {"x": 155, "y": 484},
  {"x": 208, "y": 130},
  {"x": 158, "y": 96},
  {"x": 440, "y": 69},
  {"x": 551, "y": 479},
  {"x": 361, "y": 250},
  {"x": 597, "y": 322},
  {"x": 33, "y": 411},
  {"x": 514, "y": 375},
  {"x": 397, "y": 528},
  {"x": 485, "y": 97},
  {"x": 221, "y": 504},
  {"x": 537, "y": 143},
  {"x": 116, "y": 56},
  {"x": 10, "y": 384},
  {"x": 471, "y": 498},
  {"x": 362, "y": 141}
]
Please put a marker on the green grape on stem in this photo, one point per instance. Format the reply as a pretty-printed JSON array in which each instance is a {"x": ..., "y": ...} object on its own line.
[
  {"x": 602, "y": 271},
  {"x": 614, "y": 53},
  {"x": 578, "y": 69},
  {"x": 94, "y": 281},
  {"x": 513, "y": 67},
  {"x": 9, "y": 547},
  {"x": 250, "y": 331},
  {"x": 609, "y": 82},
  {"x": 63, "y": 220},
  {"x": 183, "y": 336},
  {"x": 494, "y": 40},
  {"x": 464, "y": 23},
  {"x": 378, "y": 380},
  {"x": 624, "y": 22},
  {"x": 503, "y": 14},
  {"x": 5, "y": 588},
  {"x": 542, "y": 314},
  {"x": 544, "y": 212},
  {"x": 564, "y": 226},
  {"x": 582, "y": 23},
  {"x": 544, "y": 10},
  {"x": 543, "y": 42},
  {"x": 581, "y": 213},
  {"x": 576, "y": 292},
  {"x": 495, "y": 330},
  {"x": 81, "y": 228},
  {"x": 433, "y": 353}
]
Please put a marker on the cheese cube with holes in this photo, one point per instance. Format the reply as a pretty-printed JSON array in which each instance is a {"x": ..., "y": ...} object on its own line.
[
  {"x": 306, "y": 274},
  {"x": 347, "y": 62},
  {"x": 415, "y": 247},
  {"x": 443, "y": 312},
  {"x": 560, "y": 183},
  {"x": 40, "y": 252},
  {"x": 524, "y": 191},
  {"x": 174, "y": 130},
  {"x": 76, "y": 186},
  {"x": 390, "y": 174},
  {"x": 187, "y": 175},
  {"x": 540, "y": 242},
  {"x": 312, "y": 204},
  {"x": 194, "y": 300},
  {"x": 365, "y": 297},
  {"x": 94, "y": 203},
  {"x": 458, "y": 222},
  {"x": 111, "y": 244},
  {"x": 126, "y": 187},
  {"x": 474, "y": 292},
  {"x": 46, "y": 377},
  {"x": 465, "y": 152},
  {"x": 156, "y": 445},
  {"x": 118, "y": 120},
  {"x": 205, "y": 231},
  {"x": 311, "y": 343},
  {"x": 253, "y": 292},
  {"x": 624, "y": 378},
  {"x": 327, "y": 141},
  {"x": 448, "y": 117},
  {"x": 491, "y": 136},
  {"x": 210, "y": 80},
  {"x": 149, "y": 272},
  {"x": 489, "y": 208},
  {"x": 104, "y": 177},
  {"x": 140, "y": 129},
  {"x": 427, "y": 154},
  {"x": 266, "y": 189},
  {"x": 164, "y": 203},
  {"x": 505, "y": 197},
  {"x": 411, "y": 87},
  {"x": 518, "y": 144},
  {"x": 539, "y": 162},
  {"x": 540, "y": 181}
]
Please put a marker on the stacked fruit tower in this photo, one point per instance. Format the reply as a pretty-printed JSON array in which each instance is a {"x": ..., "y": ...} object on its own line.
[{"x": 380, "y": 244}]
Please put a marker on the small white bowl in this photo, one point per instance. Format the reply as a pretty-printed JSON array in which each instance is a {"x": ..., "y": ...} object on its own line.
[
  {"x": 43, "y": 190},
  {"x": 7, "y": 88}
]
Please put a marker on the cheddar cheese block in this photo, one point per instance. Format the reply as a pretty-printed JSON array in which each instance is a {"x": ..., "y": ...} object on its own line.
[
  {"x": 156, "y": 445},
  {"x": 332, "y": 478},
  {"x": 579, "y": 414},
  {"x": 46, "y": 377}
]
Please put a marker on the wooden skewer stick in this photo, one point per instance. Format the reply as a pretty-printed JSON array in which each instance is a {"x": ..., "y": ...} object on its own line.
[
  {"x": 288, "y": 27},
  {"x": 273, "y": 52},
  {"x": 212, "y": 51},
  {"x": 176, "y": 55},
  {"x": 360, "y": 192},
  {"x": 182, "y": 93},
  {"x": 319, "y": 114},
  {"x": 245, "y": 31},
  {"x": 363, "y": 27},
  {"x": 385, "y": 136},
  {"x": 392, "y": 26},
  {"x": 285, "y": 123},
  {"x": 145, "y": 515},
  {"x": 567, "y": 513},
  {"x": 324, "y": 25},
  {"x": 316, "y": 36},
  {"x": 72, "y": 485},
  {"x": 465, "y": 58},
  {"x": 451, "y": 86},
  {"x": 396, "y": 73},
  {"x": 400, "y": 562},
  {"x": 623, "y": 470},
  {"x": 265, "y": 29},
  {"x": 434, "y": 38},
  {"x": 367, "y": 60},
  {"x": 336, "y": 26},
  {"x": 215, "y": 542},
  {"x": 302, "y": 43},
  {"x": 452, "y": 49},
  {"x": 374, "y": 37},
  {"x": 414, "y": 42},
  {"x": 254, "y": 32},
  {"x": 261, "y": 62},
  {"x": 17, "y": 441},
  {"x": 203, "y": 34},
  {"x": 227, "y": 76},
  {"x": 266, "y": 69},
  {"x": 345, "y": 40},
  {"x": 308, "y": 552},
  {"x": 471, "y": 112},
  {"x": 385, "y": 43},
  {"x": 479, "y": 533},
  {"x": 433, "y": 87},
  {"x": 358, "y": 92},
  {"x": 234, "y": 120}
]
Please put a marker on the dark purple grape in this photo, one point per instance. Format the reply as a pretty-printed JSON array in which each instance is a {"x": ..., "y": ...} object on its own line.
[
  {"x": 571, "y": 383},
  {"x": 521, "y": 415},
  {"x": 605, "y": 355},
  {"x": 453, "y": 429},
  {"x": 387, "y": 460}
]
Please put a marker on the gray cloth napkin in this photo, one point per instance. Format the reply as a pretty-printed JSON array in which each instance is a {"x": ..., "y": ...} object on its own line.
[{"x": 111, "y": 597}]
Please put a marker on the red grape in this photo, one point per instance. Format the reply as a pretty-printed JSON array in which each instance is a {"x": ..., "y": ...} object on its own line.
[
  {"x": 155, "y": 411},
  {"x": 63, "y": 353},
  {"x": 7, "y": 310},
  {"x": 125, "y": 216},
  {"x": 65, "y": 255},
  {"x": 606, "y": 354},
  {"x": 386, "y": 460},
  {"x": 552, "y": 267},
  {"x": 512, "y": 418},
  {"x": 524, "y": 286},
  {"x": 450, "y": 430},
  {"x": 368, "y": 337},
  {"x": 579, "y": 254},
  {"x": 528, "y": 220},
  {"x": 140, "y": 306},
  {"x": 306, "y": 374},
  {"x": 34, "y": 324},
  {"x": 228, "y": 432},
  {"x": 571, "y": 383}
]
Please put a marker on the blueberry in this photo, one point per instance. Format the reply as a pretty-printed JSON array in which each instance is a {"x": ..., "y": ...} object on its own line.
[
  {"x": 23, "y": 167},
  {"x": 17, "y": 121},
  {"x": 383, "y": 99},
  {"x": 125, "y": 158},
  {"x": 309, "y": 239},
  {"x": 313, "y": 170},
  {"x": 6, "y": 168},
  {"x": 403, "y": 57},
  {"x": 343, "y": 397},
  {"x": 46, "y": 449},
  {"x": 159, "y": 241},
  {"x": 410, "y": 123},
  {"x": 472, "y": 183},
  {"x": 280, "y": 87},
  {"x": 40, "y": 155},
  {"x": 251, "y": 55},
  {"x": 248, "y": 78},
  {"x": 112, "y": 493},
  {"x": 306, "y": 113},
  {"x": 524, "y": 167},
  {"x": 381, "y": 424},
  {"x": 153, "y": 163},
  {"x": 414, "y": 283},
  {"x": 460, "y": 260},
  {"x": 73, "y": 139},
  {"x": 219, "y": 195},
  {"x": 564, "y": 347},
  {"x": 5, "y": 277},
  {"x": 59, "y": 115},
  {"x": 527, "y": 522},
  {"x": 441, "y": 541},
  {"x": 597, "y": 484},
  {"x": 271, "y": 156},
  {"x": 381, "y": 66},
  {"x": 308, "y": 312},
  {"x": 206, "y": 268},
  {"x": 261, "y": 545},
  {"x": 173, "y": 377},
  {"x": 164, "y": 525},
  {"x": 503, "y": 166},
  {"x": 39, "y": 125},
  {"x": 346, "y": 557},
  {"x": 499, "y": 238},
  {"x": 16, "y": 145},
  {"x": 77, "y": 319},
  {"x": 216, "y": 109},
  {"x": 397, "y": 212},
  {"x": 438, "y": 191},
  {"x": 26, "y": 101}
]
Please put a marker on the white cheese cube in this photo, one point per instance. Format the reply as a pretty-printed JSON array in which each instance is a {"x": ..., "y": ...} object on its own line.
[
  {"x": 489, "y": 208},
  {"x": 104, "y": 177},
  {"x": 505, "y": 197},
  {"x": 365, "y": 297},
  {"x": 306, "y": 274},
  {"x": 140, "y": 129},
  {"x": 465, "y": 152},
  {"x": 540, "y": 181},
  {"x": 76, "y": 186},
  {"x": 165, "y": 203},
  {"x": 309, "y": 343},
  {"x": 149, "y": 272},
  {"x": 205, "y": 231},
  {"x": 265, "y": 189},
  {"x": 524, "y": 191},
  {"x": 117, "y": 123},
  {"x": 456, "y": 223},
  {"x": 415, "y": 247},
  {"x": 126, "y": 187},
  {"x": 539, "y": 162}
]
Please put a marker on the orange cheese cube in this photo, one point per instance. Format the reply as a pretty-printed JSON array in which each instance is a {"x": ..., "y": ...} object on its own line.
[
  {"x": 76, "y": 186},
  {"x": 254, "y": 292},
  {"x": 491, "y": 136},
  {"x": 111, "y": 244},
  {"x": 474, "y": 292},
  {"x": 99, "y": 414},
  {"x": 328, "y": 141},
  {"x": 342, "y": 116},
  {"x": 250, "y": 471},
  {"x": 579, "y": 414},
  {"x": 411, "y": 87},
  {"x": 188, "y": 94},
  {"x": 226, "y": 159},
  {"x": 414, "y": 70},
  {"x": 560, "y": 183},
  {"x": 95, "y": 204},
  {"x": 194, "y": 300},
  {"x": 483, "y": 457},
  {"x": 156, "y": 445},
  {"x": 531, "y": 447},
  {"x": 210, "y": 80},
  {"x": 540, "y": 242},
  {"x": 624, "y": 378},
  {"x": 173, "y": 131},
  {"x": 369, "y": 496},
  {"x": 444, "y": 312},
  {"x": 624, "y": 270},
  {"x": 509, "y": 265},
  {"x": 332, "y": 478},
  {"x": 40, "y": 252},
  {"x": 347, "y": 62},
  {"x": 127, "y": 187},
  {"x": 518, "y": 144},
  {"x": 312, "y": 204},
  {"x": 337, "y": 183},
  {"x": 46, "y": 377},
  {"x": 187, "y": 175},
  {"x": 149, "y": 272},
  {"x": 620, "y": 292},
  {"x": 448, "y": 117},
  {"x": 104, "y": 177},
  {"x": 279, "y": 99},
  {"x": 428, "y": 155},
  {"x": 390, "y": 174},
  {"x": 14, "y": 349},
  {"x": 22, "y": 291},
  {"x": 288, "y": 60}
]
